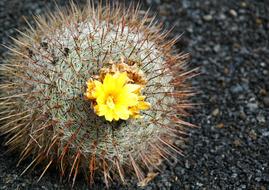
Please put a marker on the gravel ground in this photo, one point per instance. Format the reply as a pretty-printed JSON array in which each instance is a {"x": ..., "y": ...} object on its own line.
[{"x": 229, "y": 41}]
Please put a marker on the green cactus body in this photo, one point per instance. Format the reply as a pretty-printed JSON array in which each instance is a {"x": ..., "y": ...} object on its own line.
[{"x": 44, "y": 113}]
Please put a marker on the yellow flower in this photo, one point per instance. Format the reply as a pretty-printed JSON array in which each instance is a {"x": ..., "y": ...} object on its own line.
[
  {"x": 140, "y": 106},
  {"x": 114, "y": 98}
]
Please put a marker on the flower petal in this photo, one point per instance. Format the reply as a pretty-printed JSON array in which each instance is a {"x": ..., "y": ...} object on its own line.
[
  {"x": 109, "y": 84},
  {"x": 127, "y": 99},
  {"x": 143, "y": 105},
  {"x": 123, "y": 112},
  {"x": 132, "y": 87},
  {"x": 122, "y": 79}
]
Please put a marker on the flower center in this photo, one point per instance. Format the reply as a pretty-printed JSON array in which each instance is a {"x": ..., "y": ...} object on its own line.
[{"x": 110, "y": 102}]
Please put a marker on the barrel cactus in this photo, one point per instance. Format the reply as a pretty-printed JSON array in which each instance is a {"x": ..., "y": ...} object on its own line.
[{"x": 97, "y": 91}]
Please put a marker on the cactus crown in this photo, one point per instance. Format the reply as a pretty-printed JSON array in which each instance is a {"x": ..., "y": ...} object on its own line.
[{"x": 55, "y": 85}]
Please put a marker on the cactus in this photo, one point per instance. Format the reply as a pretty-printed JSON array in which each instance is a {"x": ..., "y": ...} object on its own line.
[{"x": 50, "y": 103}]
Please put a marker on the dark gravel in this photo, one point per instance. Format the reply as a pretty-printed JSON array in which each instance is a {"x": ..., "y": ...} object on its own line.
[{"x": 229, "y": 41}]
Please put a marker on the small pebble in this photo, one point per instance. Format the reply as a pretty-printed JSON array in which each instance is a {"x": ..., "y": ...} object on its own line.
[
  {"x": 252, "y": 106},
  {"x": 266, "y": 101},
  {"x": 263, "y": 92},
  {"x": 207, "y": 17},
  {"x": 253, "y": 135},
  {"x": 234, "y": 175},
  {"x": 265, "y": 134},
  {"x": 221, "y": 125},
  {"x": 237, "y": 142},
  {"x": 261, "y": 118},
  {"x": 233, "y": 12},
  {"x": 262, "y": 64},
  {"x": 226, "y": 71},
  {"x": 236, "y": 88},
  {"x": 243, "y": 4},
  {"x": 222, "y": 16},
  {"x": 215, "y": 112},
  {"x": 216, "y": 48},
  {"x": 258, "y": 21},
  {"x": 242, "y": 115},
  {"x": 236, "y": 45}
]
